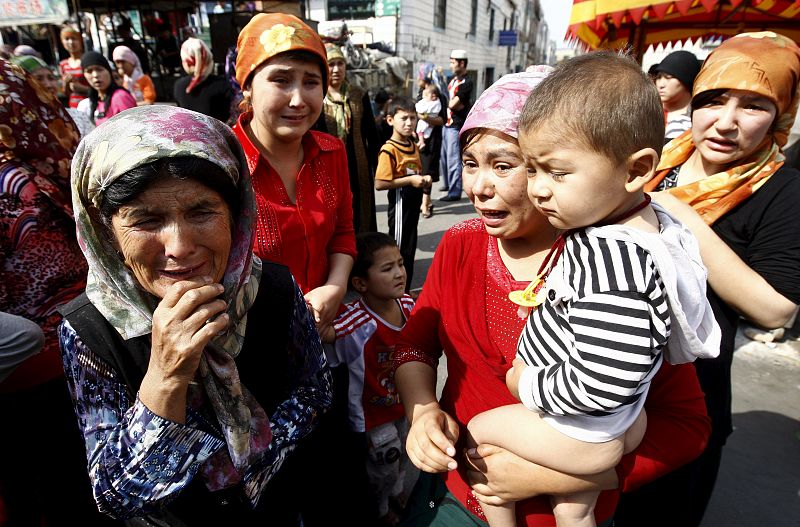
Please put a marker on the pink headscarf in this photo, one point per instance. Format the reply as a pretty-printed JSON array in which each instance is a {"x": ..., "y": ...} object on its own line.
[
  {"x": 498, "y": 107},
  {"x": 197, "y": 61},
  {"x": 125, "y": 53}
]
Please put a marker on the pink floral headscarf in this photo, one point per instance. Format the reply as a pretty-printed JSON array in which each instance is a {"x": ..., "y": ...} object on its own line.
[
  {"x": 498, "y": 107},
  {"x": 143, "y": 135}
]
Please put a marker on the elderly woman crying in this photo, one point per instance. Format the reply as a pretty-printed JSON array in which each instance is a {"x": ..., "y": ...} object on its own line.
[{"x": 194, "y": 368}]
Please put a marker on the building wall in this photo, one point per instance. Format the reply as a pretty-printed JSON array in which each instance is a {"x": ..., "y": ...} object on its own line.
[{"x": 417, "y": 40}]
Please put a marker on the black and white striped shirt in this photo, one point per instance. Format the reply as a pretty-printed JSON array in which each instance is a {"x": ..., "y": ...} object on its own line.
[{"x": 596, "y": 342}]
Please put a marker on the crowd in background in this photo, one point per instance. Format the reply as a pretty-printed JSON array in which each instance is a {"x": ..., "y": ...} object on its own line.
[{"x": 150, "y": 253}]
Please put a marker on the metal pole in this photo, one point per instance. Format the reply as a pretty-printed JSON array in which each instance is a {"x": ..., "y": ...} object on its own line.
[{"x": 76, "y": 7}]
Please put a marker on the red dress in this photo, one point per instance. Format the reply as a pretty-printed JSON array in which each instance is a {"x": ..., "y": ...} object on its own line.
[
  {"x": 302, "y": 235},
  {"x": 464, "y": 306}
]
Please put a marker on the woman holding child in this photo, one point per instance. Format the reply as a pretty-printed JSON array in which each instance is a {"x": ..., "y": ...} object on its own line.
[
  {"x": 727, "y": 184},
  {"x": 470, "y": 316}
]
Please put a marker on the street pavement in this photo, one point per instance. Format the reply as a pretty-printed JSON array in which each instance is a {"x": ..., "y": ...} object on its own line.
[{"x": 759, "y": 480}]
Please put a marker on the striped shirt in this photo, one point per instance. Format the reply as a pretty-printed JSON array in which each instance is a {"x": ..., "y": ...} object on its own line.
[
  {"x": 366, "y": 342},
  {"x": 676, "y": 125},
  {"x": 596, "y": 342}
]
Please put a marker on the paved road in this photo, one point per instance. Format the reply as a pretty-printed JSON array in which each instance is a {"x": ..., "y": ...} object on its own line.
[{"x": 759, "y": 481}]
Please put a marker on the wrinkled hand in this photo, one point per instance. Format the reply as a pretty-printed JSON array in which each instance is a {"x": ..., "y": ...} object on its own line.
[
  {"x": 323, "y": 302},
  {"x": 513, "y": 375},
  {"x": 181, "y": 330},
  {"x": 498, "y": 476},
  {"x": 431, "y": 441}
]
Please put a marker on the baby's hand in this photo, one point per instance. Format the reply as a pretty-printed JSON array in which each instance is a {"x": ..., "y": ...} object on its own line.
[{"x": 513, "y": 375}]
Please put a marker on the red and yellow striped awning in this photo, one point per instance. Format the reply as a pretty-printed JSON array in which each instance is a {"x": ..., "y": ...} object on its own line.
[{"x": 611, "y": 24}]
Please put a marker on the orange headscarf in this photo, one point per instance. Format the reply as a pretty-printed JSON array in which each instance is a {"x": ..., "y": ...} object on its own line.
[
  {"x": 765, "y": 63},
  {"x": 267, "y": 35}
]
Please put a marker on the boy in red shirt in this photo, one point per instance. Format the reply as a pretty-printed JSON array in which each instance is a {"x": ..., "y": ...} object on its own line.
[{"x": 364, "y": 337}]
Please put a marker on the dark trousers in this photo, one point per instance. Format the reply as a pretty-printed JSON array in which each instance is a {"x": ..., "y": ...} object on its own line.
[
  {"x": 676, "y": 499},
  {"x": 43, "y": 474},
  {"x": 404, "y": 204}
]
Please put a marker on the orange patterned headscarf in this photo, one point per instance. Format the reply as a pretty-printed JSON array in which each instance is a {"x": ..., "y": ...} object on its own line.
[
  {"x": 765, "y": 63},
  {"x": 269, "y": 34}
]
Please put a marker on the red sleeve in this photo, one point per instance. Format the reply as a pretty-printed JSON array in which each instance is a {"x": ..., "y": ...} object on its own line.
[
  {"x": 678, "y": 427},
  {"x": 344, "y": 236},
  {"x": 419, "y": 340}
]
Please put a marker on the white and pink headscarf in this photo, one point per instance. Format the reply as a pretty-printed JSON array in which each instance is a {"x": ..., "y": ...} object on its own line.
[
  {"x": 125, "y": 53},
  {"x": 498, "y": 108},
  {"x": 197, "y": 61}
]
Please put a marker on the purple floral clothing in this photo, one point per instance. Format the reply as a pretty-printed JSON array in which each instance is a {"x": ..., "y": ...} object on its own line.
[{"x": 137, "y": 460}]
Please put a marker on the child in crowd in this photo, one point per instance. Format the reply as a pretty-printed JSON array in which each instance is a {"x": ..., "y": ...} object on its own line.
[
  {"x": 365, "y": 335},
  {"x": 622, "y": 288},
  {"x": 398, "y": 171},
  {"x": 429, "y": 104}
]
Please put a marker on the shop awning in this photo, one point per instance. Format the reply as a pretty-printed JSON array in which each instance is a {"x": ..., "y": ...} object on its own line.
[
  {"x": 21, "y": 12},
  {"x": 615, "y": 24}
]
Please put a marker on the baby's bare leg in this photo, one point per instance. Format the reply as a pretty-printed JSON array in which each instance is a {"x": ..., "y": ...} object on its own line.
[
  {"x": 575, "y": 510},
  {"x": 524, "y": 433},
  {"x": 634, "y": 435},
  {"x": 500, "y": 515}
]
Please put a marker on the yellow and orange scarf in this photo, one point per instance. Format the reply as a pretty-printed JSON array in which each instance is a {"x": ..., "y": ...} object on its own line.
[{"x": 767, "y": 64}]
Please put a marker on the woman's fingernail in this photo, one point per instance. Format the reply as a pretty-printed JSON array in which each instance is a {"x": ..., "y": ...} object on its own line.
[
  {"x": 451, "y": 451},
  {"x": 452, "y": 465},
  {"x": 207, "y": 279},
  {"x": 472, "y": 452}
]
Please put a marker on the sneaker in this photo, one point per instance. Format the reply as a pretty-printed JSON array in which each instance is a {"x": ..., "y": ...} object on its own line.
[
  {"x": 450, "y": 198},
  {"x": 443, "y": 189}
]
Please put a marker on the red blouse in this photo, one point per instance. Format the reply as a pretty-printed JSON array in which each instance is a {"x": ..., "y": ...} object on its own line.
[
  {"x": 464, "y": 306},
  {"x": 77, "y": 76},
  {"x": 302, "y": 235}
]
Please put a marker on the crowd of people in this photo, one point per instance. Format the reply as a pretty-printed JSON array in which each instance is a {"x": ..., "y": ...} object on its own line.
[{"x": 199, "y": 324}]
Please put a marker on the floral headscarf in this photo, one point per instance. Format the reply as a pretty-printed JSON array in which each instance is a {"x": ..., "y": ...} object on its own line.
[
  {"x": 765, "y": 63},
  {"x": 268, "y": 34},
  {"x": 125, "y": 53},
  {"x": 137, "y": 137},
  {"x": 197, "y": 61},
  {"x": 498, "y": 108},
  {"x": 36, "y": 132}
]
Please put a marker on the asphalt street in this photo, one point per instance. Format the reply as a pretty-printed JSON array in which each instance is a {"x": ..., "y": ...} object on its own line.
[{"x": 759, "y": 481}]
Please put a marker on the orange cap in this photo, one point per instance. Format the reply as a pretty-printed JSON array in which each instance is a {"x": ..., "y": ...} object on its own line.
[{"x": 269, "y": 34}]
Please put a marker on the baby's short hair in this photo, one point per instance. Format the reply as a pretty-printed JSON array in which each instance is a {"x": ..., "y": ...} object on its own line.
[
  {"x": 367, "y": 244},
  {"x": 603, "y": 97},
  {"x": 401, "y": 103}
]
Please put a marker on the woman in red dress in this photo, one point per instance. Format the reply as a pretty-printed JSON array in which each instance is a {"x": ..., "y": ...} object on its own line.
[{"x": 464, "y": 309}]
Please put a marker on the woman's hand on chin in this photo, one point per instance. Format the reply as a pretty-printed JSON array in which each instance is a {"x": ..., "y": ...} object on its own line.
[
  {"x": 431, "y": 440},
  {"x": 183, "y": 326},
  {"x": 324, "y": 302}
]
